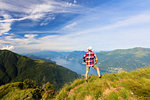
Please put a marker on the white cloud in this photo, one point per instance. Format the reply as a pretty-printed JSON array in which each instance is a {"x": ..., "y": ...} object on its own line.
[
  {"x": 18, "y": 42},
  {"x": 70, "y": 26},
  {"x": 9, "y": 7},
  {"x": 33, "y": 10},
  {"x": 30, "y": 35},
  {"x": 32, "y": 32},
  {"x": 5, "y": 26},
  {"x": 33, "y": 17},
  {"x": 75, "y": 1},
  {"x": 7, "y": 48},
  {"x": 128, "y": 22},
  {"x": 47, "y": 20},
  {"x": 21, "y": 6}
]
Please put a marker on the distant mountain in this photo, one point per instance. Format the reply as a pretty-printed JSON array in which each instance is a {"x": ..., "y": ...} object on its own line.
[
  {"x": 49, "y": 54},
  {"x": 14, "y": 67},
  {"x": 124, "y": 59},
  {"x": 35, "y": 57},
  {"x": 108, "y": 61}
]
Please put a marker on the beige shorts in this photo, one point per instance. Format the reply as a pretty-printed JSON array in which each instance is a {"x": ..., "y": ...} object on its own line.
[{"x": 88, "y": 67}]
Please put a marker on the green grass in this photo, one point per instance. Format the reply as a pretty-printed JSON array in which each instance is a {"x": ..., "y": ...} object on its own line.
[
  {"x": 64, "y": 92},
  {"x": 26, "y": 90},
  {"x": 124, "y": 86},
  {"x": 12, "y": 91}
]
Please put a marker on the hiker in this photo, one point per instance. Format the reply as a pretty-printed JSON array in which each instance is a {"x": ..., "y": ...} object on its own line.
[{"x": 90, "y": 59}]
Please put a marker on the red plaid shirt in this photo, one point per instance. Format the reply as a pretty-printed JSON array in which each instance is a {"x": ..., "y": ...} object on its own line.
[{"x": 90, "y": 58}]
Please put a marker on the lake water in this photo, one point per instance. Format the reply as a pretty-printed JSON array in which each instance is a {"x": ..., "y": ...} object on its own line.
[{"x": 76, "y": 66}]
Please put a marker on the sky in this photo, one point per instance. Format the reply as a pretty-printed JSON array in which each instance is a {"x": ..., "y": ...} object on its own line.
[{"x": 69, "y": 25}]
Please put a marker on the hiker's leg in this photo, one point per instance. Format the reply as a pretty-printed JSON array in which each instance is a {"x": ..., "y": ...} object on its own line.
[
  {"x": 87, "y": 70},
  {"x": 86, "y": 75},
  {"x": 98, "y": 71}
]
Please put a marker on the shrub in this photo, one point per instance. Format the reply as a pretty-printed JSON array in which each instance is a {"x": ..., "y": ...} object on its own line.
[
  {"x": 49, "y": 86},
  {"x": 36, "y": 94},
  {"x": 29, "y": 83}
]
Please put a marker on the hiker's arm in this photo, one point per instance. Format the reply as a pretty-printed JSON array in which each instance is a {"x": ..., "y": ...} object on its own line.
[
  {"x": 95, "y": 59},
  {"x": 84, "y": 58}
]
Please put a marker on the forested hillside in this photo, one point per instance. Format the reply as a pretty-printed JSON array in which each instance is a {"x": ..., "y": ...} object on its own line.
[{"x": 14, "y": 67}]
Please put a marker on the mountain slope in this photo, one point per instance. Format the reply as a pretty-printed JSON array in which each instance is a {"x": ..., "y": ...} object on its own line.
[
  {"x": 123, "y": 86},
  {"x": 35, "y": 57},
  {"x": 14, "y": 67},
  {"x": 124, "y": 59}
]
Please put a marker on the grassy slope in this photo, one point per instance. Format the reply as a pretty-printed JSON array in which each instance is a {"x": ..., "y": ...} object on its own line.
[
  {"x": 12, "y": 91},
  {"x": 123, "y": 86},
  {"x": 26, "y": 90}
]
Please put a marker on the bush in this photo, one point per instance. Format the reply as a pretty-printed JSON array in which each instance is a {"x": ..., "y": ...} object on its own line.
[
  {"x": 20, "y": 85},
  {"x": 36, "y": 94},
  {"x": 29, "y": 83},
  {"x": 49, "y": 86},
  {"x": 48, "y": 91}
]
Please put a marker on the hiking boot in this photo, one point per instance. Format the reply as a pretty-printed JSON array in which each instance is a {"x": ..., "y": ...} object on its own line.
[{"x": 100, "y": 76}]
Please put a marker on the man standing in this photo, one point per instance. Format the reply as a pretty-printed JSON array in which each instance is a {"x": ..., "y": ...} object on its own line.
[{"x": 91, "y": 60}]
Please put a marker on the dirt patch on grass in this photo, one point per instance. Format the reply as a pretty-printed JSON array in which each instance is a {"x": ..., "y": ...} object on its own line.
[{"x": 89, "y": 98}]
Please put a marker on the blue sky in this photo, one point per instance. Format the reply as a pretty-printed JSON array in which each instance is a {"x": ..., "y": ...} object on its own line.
[{"x": 67, "y": 25}]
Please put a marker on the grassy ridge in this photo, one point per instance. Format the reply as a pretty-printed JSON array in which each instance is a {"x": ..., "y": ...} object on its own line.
[
  {"x": 124, "y": 86},
  {"x": 27, "y": 90}
]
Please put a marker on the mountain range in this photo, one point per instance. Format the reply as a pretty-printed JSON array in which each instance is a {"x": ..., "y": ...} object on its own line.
[
  {"x": 15, "y": 67},
  {"x": 124, "y": 59},
  {"x": 108, "y": 61}
]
